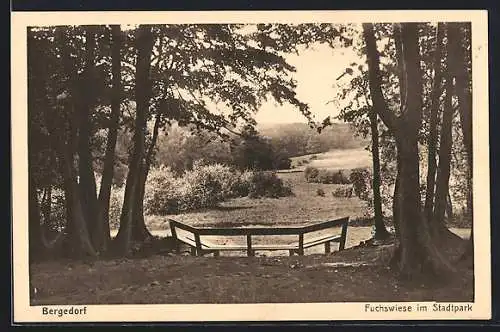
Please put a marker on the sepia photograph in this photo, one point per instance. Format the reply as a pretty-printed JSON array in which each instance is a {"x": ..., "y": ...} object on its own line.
[{"x": 254, "y": 166}]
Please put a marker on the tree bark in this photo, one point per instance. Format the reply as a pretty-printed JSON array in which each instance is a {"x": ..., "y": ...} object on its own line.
[
  {"x": 458, "y": 68},
  {"x": 443, "y": 172},
  {"x": 398, "y": 43},
  {"x": 87, "y": 183},
  {"x": 35, "y": 231},
  {"x": 433, "y": 122},
  {"x": 144, "y": 42},
  {"x": 395, "y": 206},
  {"x": 109, "y": 159},
  {"x": 140, "y": 231},
  {"x": 77, "y": 242},
  {"x": 402, "y": 102},
  {"x": 381, "y": 232},
  {"x": 417, "y": 253},
  {"x": 47, "y": 204}
]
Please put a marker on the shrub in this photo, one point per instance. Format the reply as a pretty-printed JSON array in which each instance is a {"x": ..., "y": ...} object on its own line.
[
  {"x": 205, "y": 186},
  {"x": 361, "y": 180},
  {"x": 267, "y": 184},
  {"x": 161, "y": 193},
  {"x": 326, "y": 176},
  {"x": 311, "y": 174},
  {"x": 343, "y": 191},
  {"x": 242, "y": 187},
  {"x": 200, "y": 188},
  {"x": 283, "y": 163},
  {"x": 320, "y": 192}
]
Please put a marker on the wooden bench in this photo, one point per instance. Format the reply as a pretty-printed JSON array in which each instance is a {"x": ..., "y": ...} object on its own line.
[{"x": 196, "y": 237}]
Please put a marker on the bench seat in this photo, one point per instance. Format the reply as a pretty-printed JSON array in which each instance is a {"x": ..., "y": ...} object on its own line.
[
  {"x": 214, "y": 246},
  {"x": 292, "y": 247}
]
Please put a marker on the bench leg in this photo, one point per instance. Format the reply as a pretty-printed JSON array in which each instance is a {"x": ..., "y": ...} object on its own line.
[
  {"x": 193, "y": 251},
  {"x": 327, "y": 247},
  {"x": 216, "y": 253},
  {"x": 291, "y": 251}
]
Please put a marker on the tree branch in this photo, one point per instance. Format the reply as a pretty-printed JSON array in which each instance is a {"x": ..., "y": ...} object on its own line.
[{"x": 378, "y": 100}]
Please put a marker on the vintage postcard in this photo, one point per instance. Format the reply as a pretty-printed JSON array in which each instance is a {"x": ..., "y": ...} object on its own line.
[{"x": 250, "y": 166}]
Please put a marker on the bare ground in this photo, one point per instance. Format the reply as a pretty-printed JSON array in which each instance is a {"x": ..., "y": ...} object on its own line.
[{"x": 356, "y": 274}]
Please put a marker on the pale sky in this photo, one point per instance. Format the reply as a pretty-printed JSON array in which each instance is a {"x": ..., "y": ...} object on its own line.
[
  {"x": 316, "y": 75},
  {"x": 317, "y": 70}
]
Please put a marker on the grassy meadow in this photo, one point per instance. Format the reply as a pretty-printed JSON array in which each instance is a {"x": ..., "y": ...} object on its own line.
[{"x": 335, "y": 159}]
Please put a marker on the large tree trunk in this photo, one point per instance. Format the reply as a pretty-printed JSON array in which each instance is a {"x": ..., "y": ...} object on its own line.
[
  {"x": 109, "y": 159},
  {"x": 381, "y": 232},
  {"x": 77, "y": 241},
  {"x": 87, "y": 183},
  {"x": 35, "y": 231},
  {"x": 417, "y": 253},
  {"x": 36, "y": 93},
  {"x": 46, "y": 207},
  {"x": 140, "y": 231},
  {"x": 144, "y": 42},
  {"x": 433, "y": 122}
]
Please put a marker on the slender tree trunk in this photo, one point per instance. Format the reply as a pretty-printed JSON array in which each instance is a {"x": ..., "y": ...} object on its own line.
[
  {"x": 459, "y": 65},
  {"x": 381, "y": 232},
  {"x": 109, "y": 159},
  {"x": 396, "y": 213},
  {"x": 443, "y": 172},
  {"x": 401, "y": 67},
  {"x": 433, "y": 131},
  {"x": 458, "y": 68},
  {"x": 144, "y": 42},
  {"x": 395, "y": 206}
]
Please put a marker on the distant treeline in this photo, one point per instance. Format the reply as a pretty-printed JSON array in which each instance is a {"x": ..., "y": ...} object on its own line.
[
  {"x": 297, "y": 139},
  {"x": 270, "y": 147}
]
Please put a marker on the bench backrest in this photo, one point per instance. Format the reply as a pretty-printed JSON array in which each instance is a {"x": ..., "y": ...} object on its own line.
[{"x": 296, "y": 230}]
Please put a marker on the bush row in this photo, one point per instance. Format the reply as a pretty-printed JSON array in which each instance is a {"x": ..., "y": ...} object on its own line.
[
  {"x": 326, "y": 176},
  {"x": 360, "y": 178},
  {"x": 205, "y": 186}
]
